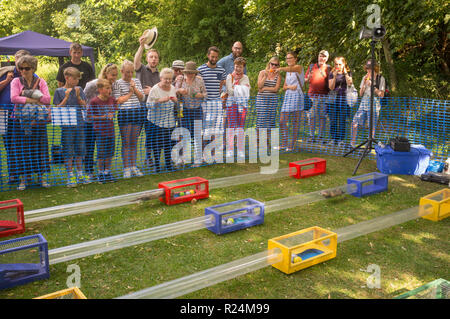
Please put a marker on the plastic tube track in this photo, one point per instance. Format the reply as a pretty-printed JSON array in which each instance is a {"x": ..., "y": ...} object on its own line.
[
  {"x": 212, "y": 276},
  {"x": 129, "y": 199},
  {"x": 106, "y": 244}
]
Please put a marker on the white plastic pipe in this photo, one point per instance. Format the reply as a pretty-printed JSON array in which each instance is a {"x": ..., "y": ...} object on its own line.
[
  {"x": 103, "y": 245},
  {"x": 128, "y": 199},
  {"x": 209, "y": 277}
]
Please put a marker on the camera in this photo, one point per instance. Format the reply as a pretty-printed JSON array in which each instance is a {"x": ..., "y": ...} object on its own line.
[{"x": 375, "y": 33}]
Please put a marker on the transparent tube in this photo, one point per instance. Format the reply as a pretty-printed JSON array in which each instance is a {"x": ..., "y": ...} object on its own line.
[
  {"x": 133, "y": 198},
  {"x": 102, "y": 245},
  {"x": 382, "y": 222},
  {"x": 209, "y": 277},
  {"x": 303, "y": 199},
  {"x": 212, "y": 276},
  {"x": 247, "y": 178}
]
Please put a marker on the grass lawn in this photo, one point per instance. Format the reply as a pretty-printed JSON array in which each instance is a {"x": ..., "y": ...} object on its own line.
[{"x": 409, "y": 255}]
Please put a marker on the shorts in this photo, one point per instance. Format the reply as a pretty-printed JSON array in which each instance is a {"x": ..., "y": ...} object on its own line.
[
  {"x": 105, "y": 146},
  {"x": 363, "y": 112},
  {"x": 134, "y": 116},
  {"x": 73, "y": 141},
  {"x": 361, "y": 116},
  {"x": 318, "y": 108}
]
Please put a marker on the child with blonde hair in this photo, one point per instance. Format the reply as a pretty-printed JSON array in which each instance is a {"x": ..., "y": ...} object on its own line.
[{"x": 72, "y": 135}]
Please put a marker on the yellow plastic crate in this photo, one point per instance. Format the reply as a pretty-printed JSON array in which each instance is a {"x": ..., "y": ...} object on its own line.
[
  {"x": 440, "y": 201},
  {"x": 304, "y": 248},
  {"x": 70, "y": 293}
]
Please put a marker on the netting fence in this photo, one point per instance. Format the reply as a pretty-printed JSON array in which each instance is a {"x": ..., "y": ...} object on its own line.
[{"x": 49, "y": 145}]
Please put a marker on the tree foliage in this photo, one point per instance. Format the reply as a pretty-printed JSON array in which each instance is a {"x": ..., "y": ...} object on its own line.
[{"x": 416, "y": 40}]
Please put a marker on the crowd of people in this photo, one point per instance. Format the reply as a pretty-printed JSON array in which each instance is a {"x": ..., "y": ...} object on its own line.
[{"x": 215, "y": 94}]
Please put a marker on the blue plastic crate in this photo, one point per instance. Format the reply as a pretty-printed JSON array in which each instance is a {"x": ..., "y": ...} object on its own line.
[
  {"x": 435, "y": 167},
  {"x": 235, "y": 215},
  {"x": 414, "y": 162},
  {"x": 23, "y": 260},
  {"x": 368, "y": 184}
]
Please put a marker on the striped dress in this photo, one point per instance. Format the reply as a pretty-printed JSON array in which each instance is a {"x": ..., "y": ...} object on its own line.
[{"x": 266, "y": 106}]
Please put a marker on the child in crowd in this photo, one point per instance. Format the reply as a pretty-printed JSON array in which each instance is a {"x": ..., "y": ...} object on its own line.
[
  {"x": 101, "y": 111},
  {"x": 73, "y": 144}
]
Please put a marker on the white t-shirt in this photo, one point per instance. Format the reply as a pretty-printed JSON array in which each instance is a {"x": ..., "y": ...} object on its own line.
[{"x": 161, "y": 114}]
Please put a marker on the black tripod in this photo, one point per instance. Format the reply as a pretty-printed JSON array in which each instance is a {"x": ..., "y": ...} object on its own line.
[{"x": 370, "y": 142}]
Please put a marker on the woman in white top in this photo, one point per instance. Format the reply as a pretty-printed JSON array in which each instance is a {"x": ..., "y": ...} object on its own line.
[
  {"x": 129, "y": 93},
  {"x": 238, "y": 93},
  {"x": 160, "y": 103},
  {"x": 293, "y": 103}
]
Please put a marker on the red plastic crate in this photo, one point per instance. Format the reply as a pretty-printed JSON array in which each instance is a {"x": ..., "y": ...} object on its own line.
[
  {"x": 184, "y": 190},
  {"x": 308, "y": 167},
  {"x": 12, "y": 220}
]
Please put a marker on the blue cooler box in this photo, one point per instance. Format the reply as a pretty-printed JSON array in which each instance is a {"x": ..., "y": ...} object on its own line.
[{"x": 414, "y": 162}]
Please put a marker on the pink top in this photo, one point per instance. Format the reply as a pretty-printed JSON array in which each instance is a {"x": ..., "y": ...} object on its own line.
[{"x": 17, "y": 87}]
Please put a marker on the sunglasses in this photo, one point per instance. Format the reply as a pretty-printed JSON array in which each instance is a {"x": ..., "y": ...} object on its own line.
[
  {"x": 274, "y": 64},
  {"x": 26, "y": 68}
]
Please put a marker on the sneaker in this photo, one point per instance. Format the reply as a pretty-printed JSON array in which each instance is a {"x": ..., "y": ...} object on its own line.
[
  {"x": 45, "y": 184},
  {"x": 83, "y": 179},
  {"x": 136, "y": 172},
  {"x": 21, "y": 186},
  {"x": 71, "y": 181},
  {"x": 101, "y": 178},
  {"x": 127, "y": 172},
  {"x": 109, "y": 178}
]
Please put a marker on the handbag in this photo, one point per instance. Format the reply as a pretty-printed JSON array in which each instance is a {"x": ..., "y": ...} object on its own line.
[{"x": 352, "y": 96}]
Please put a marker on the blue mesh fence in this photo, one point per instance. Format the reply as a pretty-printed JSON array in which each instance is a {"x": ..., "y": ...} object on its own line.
[{"x": 102, "y": 143}]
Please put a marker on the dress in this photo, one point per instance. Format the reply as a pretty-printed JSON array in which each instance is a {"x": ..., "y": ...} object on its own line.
[
  {"x": 266, "y": 106},
  {"x": 293, "y": 99}
]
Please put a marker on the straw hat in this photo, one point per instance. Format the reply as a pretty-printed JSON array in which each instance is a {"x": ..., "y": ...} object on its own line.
[
  {"x": 150, "y": 37},
  {"x": 178, "y": 64},
  {"x": 190, "y": 67}
]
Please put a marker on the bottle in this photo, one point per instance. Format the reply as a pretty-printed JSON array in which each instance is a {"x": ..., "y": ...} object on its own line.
[{"x": 180, "y": 111}]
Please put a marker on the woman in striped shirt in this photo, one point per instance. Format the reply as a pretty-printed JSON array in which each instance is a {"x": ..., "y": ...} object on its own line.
[
  {"x": 269, "y": 81},
  {"x": 129, "y": 93}
]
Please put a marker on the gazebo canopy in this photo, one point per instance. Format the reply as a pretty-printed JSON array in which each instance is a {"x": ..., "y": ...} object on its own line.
[{"x": 40, "y": 44}]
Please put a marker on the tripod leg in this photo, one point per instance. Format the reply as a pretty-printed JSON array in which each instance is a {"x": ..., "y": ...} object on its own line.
[
  {"x": 355, "y": 148},
  {"x": 366, "y": 151}
]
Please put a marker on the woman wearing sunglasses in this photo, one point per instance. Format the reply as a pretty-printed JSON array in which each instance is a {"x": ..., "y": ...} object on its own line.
[
  {"x": 30, "y": 133},
  {"x": 269, "y": 82}
]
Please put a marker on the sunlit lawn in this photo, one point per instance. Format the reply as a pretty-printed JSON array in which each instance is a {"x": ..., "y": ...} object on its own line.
[{"x": 409, "y": 255}]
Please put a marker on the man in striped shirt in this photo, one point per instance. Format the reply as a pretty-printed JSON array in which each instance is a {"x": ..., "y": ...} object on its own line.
[{"x": 214, "y": 77}]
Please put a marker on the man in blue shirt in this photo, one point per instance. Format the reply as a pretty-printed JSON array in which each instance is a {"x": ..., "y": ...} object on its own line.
[
  {"x": 227, "y": 62},
  {"x": 5, "y": 104}
]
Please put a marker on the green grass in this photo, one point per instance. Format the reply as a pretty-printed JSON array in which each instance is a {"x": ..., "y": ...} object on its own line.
[{"x": 409, "y": 255}]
